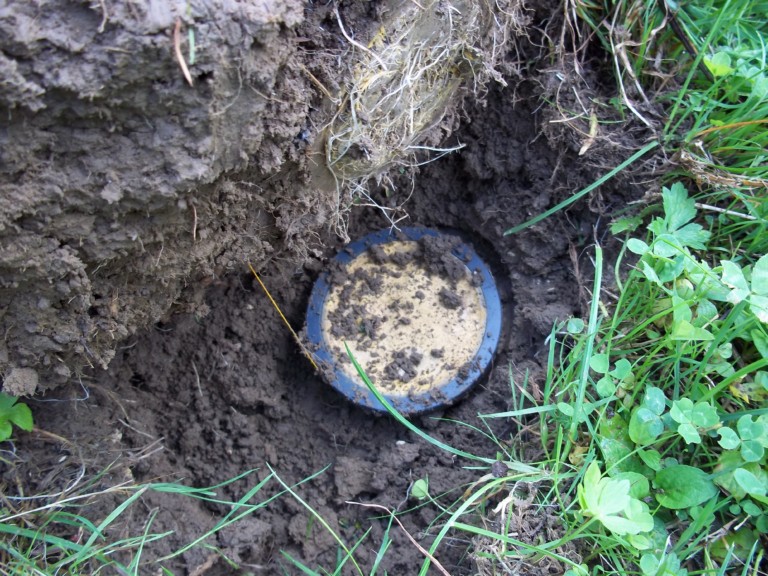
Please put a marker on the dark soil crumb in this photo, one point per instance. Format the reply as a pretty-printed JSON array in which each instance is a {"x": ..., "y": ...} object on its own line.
[
  {"x": 403, "y": 366},
  {"x": 450, "y": 298},
  {"x": 367, "y": 283},
  {"x": 354, "y": 322},
  {"x": 378, "y": 254},
  {"x": 436, "y": 252}
]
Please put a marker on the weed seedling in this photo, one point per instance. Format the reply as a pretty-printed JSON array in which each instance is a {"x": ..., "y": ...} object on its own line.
[{"x": 13, "y": 412}]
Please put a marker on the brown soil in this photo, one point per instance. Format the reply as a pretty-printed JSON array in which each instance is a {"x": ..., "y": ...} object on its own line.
[{"x": 221, "y": 387}]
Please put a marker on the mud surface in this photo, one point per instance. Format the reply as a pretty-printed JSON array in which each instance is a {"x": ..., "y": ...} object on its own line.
[{"x": 203, "y": 397}]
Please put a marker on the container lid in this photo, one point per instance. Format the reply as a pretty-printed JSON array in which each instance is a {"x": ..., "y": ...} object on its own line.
[{"x": 420, "y": 312}]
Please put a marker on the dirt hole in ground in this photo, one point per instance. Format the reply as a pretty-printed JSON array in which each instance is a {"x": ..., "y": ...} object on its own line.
[{"x": 202, "y": 399}]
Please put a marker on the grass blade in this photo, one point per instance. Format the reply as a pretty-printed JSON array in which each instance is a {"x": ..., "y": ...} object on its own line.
[{"x": 536, "y": 219}]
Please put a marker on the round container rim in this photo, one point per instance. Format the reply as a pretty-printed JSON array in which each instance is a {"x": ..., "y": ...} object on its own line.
[{"x": 437, "y": 396}]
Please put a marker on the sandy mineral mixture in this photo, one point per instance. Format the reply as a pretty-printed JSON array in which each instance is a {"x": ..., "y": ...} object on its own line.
[{"x": 410, "y": 313}]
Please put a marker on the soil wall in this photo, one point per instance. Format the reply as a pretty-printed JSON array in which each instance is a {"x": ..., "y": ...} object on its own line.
[{"x": 122, "y": 184}]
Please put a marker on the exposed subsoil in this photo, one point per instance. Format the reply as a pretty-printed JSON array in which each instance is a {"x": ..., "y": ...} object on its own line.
[{"x": 202, "y": 398}]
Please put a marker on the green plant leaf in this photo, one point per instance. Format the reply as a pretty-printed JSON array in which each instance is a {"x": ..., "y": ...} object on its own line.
[
  {"x": 575, "y": 326},
  {"x": 751, "y": 450},
  {"x": 684, "y": 289},
  {"x": 674, "y": 233},
  {"x": 5, "y": 430},
  {"x": 685, "y": 331},
  {"x": 640, "y": 541},
  {"x": 760, "y": 276},
  {"x": 667, "y": 246},
  {"x": 651, "y": 458},
  {"x": 617, "y": 448},
  {"x": 708, "y": 284},
  {"x": 680, "y": 308},
  {"x": 704, "y": 415},
  {"x": 650, "y": 273},
  {"x": 644, "y": 426},
  {"x": 702, "y": 515},
  {"x": 626, "y": 224},
  {"x": 637, "y": 246},
  {"x": 639, "y": 487},
  {"x": 760, "y": 88},
  {"x": 666, "y": 565},
  {"x": 638, "y": 518},
  {"x": 725, "y": 351},
  {"x": 689, "y": 433},
  {"x": 568, "y": 410},
  {"x": 13, "y": 411},
  {"x": 706, "y": 311},
  {"x": 681, "y": 410},
  {"x": 682, "y": 486},
  {"x": 22, "y": 417},
  {"x": 691, "y": 417},
  {"x": 580, "y": 570},
  {"x": 678, "y": 208},
  {"x": 600, "y": 363},
  {"x": 761, "y": 379},
  {"x": 595, "y": 500},
  {"x": 729, "y": 440},
  {"x": 727, "y": 464},
  {"x": 655, "y": 400},
  {"x": 649, "y": 564},
  {"x": 760, "y": 341},
  {"x": 693, "y": 236},
  {"x": 420, "y": 489},
  {"x": 738, "y": 546},
  {"x": 719, "y": 64},
  {"x": 749, "y": 482},
  {"x": 605, "y": 387},
  {"x": 750, "y": 508},
  {"x": 622, "y": 370},
  {"x": 669, "y": 270},
  {"x": 758, "y": 305},
  {"x": 752, "y": 429},
  {"x": 733, "y": 277},
  {"x": 608, "y": 500}
]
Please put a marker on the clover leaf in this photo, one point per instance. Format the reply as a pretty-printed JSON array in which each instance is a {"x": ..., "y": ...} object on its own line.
[
  {"x": 691, "y": 417},
  {"x": 644, "y": 426},
  {"x": 754, "y": 437}
]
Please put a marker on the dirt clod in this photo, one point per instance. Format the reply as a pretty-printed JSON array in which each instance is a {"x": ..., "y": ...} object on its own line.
[{"x": 21, "y": 382}]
